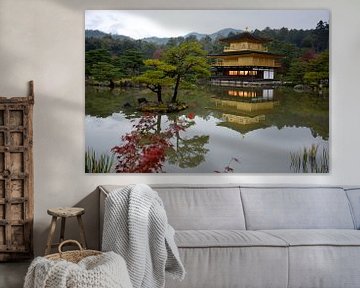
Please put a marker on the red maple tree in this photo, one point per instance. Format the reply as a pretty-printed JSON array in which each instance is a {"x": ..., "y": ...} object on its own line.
[{"x": 144, "y": 149}]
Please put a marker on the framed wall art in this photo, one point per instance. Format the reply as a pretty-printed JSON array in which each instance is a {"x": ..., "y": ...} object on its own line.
[{"x": 207, "y": 91}]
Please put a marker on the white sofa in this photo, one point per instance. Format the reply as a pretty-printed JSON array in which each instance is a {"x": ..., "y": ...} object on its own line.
[{"x": 263, "y": 237}]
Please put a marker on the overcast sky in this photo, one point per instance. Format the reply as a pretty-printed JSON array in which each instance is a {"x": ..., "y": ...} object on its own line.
[{"x": 172, "y": 23}]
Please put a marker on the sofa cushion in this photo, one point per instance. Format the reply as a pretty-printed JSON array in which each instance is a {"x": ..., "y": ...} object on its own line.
[
  {"x": 225, "y": 267},
  {"x": 203, "y": 208},
  {"x": 191, "y": 207},
  {"x": 324, "y": 266},
  {"x": 226, "y": 238},
  {"x": 315, "y": 237},
  {"x": 296, "y": 208},
  {"x": 322, "y": 258}
]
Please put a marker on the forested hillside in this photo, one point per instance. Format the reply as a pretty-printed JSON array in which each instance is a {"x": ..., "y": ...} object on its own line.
[{"x": 110, "y": 58}]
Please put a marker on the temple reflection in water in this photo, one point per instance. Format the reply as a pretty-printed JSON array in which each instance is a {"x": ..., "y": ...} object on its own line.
[
  {"x": 260, "y": 94},
  {"x": 245, "y": 109}
]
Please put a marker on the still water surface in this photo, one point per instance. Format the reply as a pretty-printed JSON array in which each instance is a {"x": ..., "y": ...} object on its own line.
[{"x": 257, "y": 127}]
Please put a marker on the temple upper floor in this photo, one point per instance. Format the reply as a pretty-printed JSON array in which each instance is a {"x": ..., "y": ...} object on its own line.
[
  {"x": 241, "y": 46},
  {"x": 244, "y": 41}
]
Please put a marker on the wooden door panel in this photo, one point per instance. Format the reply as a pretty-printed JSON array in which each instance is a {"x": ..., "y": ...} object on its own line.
[
  {"x": 16, "y": 118},
  {"x": 16, "y": 177},
  {"x": 17, "y": 188}
]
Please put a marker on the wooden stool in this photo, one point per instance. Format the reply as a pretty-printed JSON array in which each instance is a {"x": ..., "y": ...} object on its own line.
[{"x": 64, "y": 213}]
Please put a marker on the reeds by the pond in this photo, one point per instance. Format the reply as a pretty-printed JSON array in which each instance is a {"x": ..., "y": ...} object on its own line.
[
  {"x": 310, "y": 160},
  {"x": 98, "y": 164}
]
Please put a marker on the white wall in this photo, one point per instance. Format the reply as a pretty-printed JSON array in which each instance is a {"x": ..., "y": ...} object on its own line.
[{"x": 43, "y": 40}]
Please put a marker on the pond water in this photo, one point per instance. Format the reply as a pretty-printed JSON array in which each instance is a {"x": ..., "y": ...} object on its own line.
[{"x": 224, "y": 129}]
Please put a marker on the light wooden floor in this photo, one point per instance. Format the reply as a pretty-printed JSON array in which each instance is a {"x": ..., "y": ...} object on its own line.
[{"x": 12, "y": 274}]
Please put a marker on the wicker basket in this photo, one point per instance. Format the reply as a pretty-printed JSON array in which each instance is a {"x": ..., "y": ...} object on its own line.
[{"x": 72, "y": 256}]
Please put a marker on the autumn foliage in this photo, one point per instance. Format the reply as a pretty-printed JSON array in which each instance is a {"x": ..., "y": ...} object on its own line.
[{"x": 144, "y": 148}]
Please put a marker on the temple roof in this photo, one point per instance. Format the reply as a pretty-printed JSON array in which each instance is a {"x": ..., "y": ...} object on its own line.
[
  {"x": 245, "y": 36},
  {"x": 243, "y": 52}
]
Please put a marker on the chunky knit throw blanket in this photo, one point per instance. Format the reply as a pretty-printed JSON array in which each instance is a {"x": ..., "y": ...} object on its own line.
[
  {"x": 136, "y": 227},
  {"x": 102, "y": 271}
]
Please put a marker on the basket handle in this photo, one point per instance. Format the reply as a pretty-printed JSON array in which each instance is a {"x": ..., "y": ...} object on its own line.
[{"x": 69, "y": 241}]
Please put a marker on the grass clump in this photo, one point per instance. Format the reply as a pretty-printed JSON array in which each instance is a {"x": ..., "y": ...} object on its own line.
[
  {"x": 310, "y": 160},
  {"x": 98, "y": 164}
]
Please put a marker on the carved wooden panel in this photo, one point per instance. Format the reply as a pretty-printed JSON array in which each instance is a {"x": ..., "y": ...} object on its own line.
[{"x": 16, "y": 177}]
